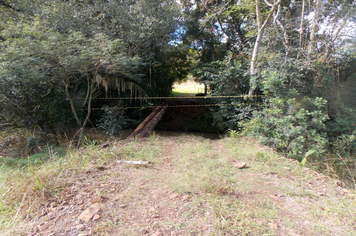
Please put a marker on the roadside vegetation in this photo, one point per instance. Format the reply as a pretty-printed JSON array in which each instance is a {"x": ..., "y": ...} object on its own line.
[
  {"x": 281, "y": 73},
  {"x": 291, "y": 65}
]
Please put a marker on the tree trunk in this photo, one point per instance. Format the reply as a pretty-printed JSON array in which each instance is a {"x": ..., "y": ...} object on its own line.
[
  {"x": 301, "y": 31},
  {"x": 261, "y": 28},
  {"x": 90, "y": 98},
  {"x": 314, "y": 29},
  {"x": 341, "y": 26},
  {"x": 254, "y": 60},
  {"x": 67, "y": 82}
]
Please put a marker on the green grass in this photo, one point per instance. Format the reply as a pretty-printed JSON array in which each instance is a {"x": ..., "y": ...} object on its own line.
[
  {"x": 209, "y": 174},
  {"x": 181, "y": 94},
  {"x": 181, "y": 91},
  {"x": 242, "y": 199},
  {"x": 27, "y": 183},
  {"x": 271, "y": 191},
  {"x": 35, "y": 159}
]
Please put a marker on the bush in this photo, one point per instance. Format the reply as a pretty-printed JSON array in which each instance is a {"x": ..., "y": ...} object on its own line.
[
  {"x": 294, "y": 125},
  {"x": 113, "y": 120}
]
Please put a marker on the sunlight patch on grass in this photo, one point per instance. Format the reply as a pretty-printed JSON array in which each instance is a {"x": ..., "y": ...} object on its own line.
[
  {"x": 178, "y": 93},
  {"x": 187, "y": 89}
]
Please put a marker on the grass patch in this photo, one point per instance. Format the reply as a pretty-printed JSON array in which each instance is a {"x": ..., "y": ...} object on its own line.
[
  {"x": 29, "y": 183},
  {"x": 255, "y": 200},
  {"x": 35, "y": 159},
  {"x": 273, "y": 196},
  {"x": 187, "y": 89},
  {"x": 209, "y": 174},
  {"x": 181, "y": 94}
]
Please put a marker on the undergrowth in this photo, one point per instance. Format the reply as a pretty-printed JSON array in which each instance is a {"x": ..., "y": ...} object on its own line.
[
  {"x": 24, "y": 188},
  {"x": 35, "y": 159},
  {"x": 300, "y": 128}
]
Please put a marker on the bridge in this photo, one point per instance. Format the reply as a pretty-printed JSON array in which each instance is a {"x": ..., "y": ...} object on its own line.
[
  {"x": 190, "y": 103},
  {"x": 150, "y": 122}
]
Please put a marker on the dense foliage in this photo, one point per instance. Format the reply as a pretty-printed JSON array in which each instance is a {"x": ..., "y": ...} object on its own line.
[
  {"x": 56, "y": 52},
  {"x": 297, "y": 56},
  {"x": 301, "y": 56}
]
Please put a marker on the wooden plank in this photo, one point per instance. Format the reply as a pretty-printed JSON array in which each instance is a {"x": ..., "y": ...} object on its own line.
[
  {"x": 144, "y": 123},
  {"x": 153, "y": 123}
]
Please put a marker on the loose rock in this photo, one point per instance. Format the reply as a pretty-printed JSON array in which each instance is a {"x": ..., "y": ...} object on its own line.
[
  {"x": 89, "y": 212},
  {"x": 157, "y": 234},
  {"x": 96, "y": 217},
  {"x": 80, "y": 227},
  {"x": 144, "y": 231},
  {"x": 173, "y": 195},
  {"x": 185, "y": 197},
  {"x": 240, "y": 165}
]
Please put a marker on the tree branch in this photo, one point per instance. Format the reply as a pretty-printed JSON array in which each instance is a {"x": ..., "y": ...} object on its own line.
[
  {"x": 301, "y": 26},
  {"x": 342, "y": 25},
  {"x": 259, "y": 37},
  {"x": 8, "y": 6}
]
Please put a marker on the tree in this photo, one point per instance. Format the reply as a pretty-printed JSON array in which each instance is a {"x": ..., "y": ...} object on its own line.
[
  {"x": 261, "y": 26},
  {"x": 70, "y": 61},
  {"x": 78, "y": 48},
  {"x": 149, "y": 29},
  {"x": 300, "y": 58}
]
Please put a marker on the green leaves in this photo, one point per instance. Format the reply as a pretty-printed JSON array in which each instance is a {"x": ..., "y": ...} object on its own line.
[
  {"x": 271, "y": 82},
  {"x": 294, "y": 127},
  {"x": 40, "y": 58}
]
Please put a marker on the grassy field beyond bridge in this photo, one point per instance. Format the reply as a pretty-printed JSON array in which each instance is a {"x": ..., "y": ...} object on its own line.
[{"x": 187, "y": 89}]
